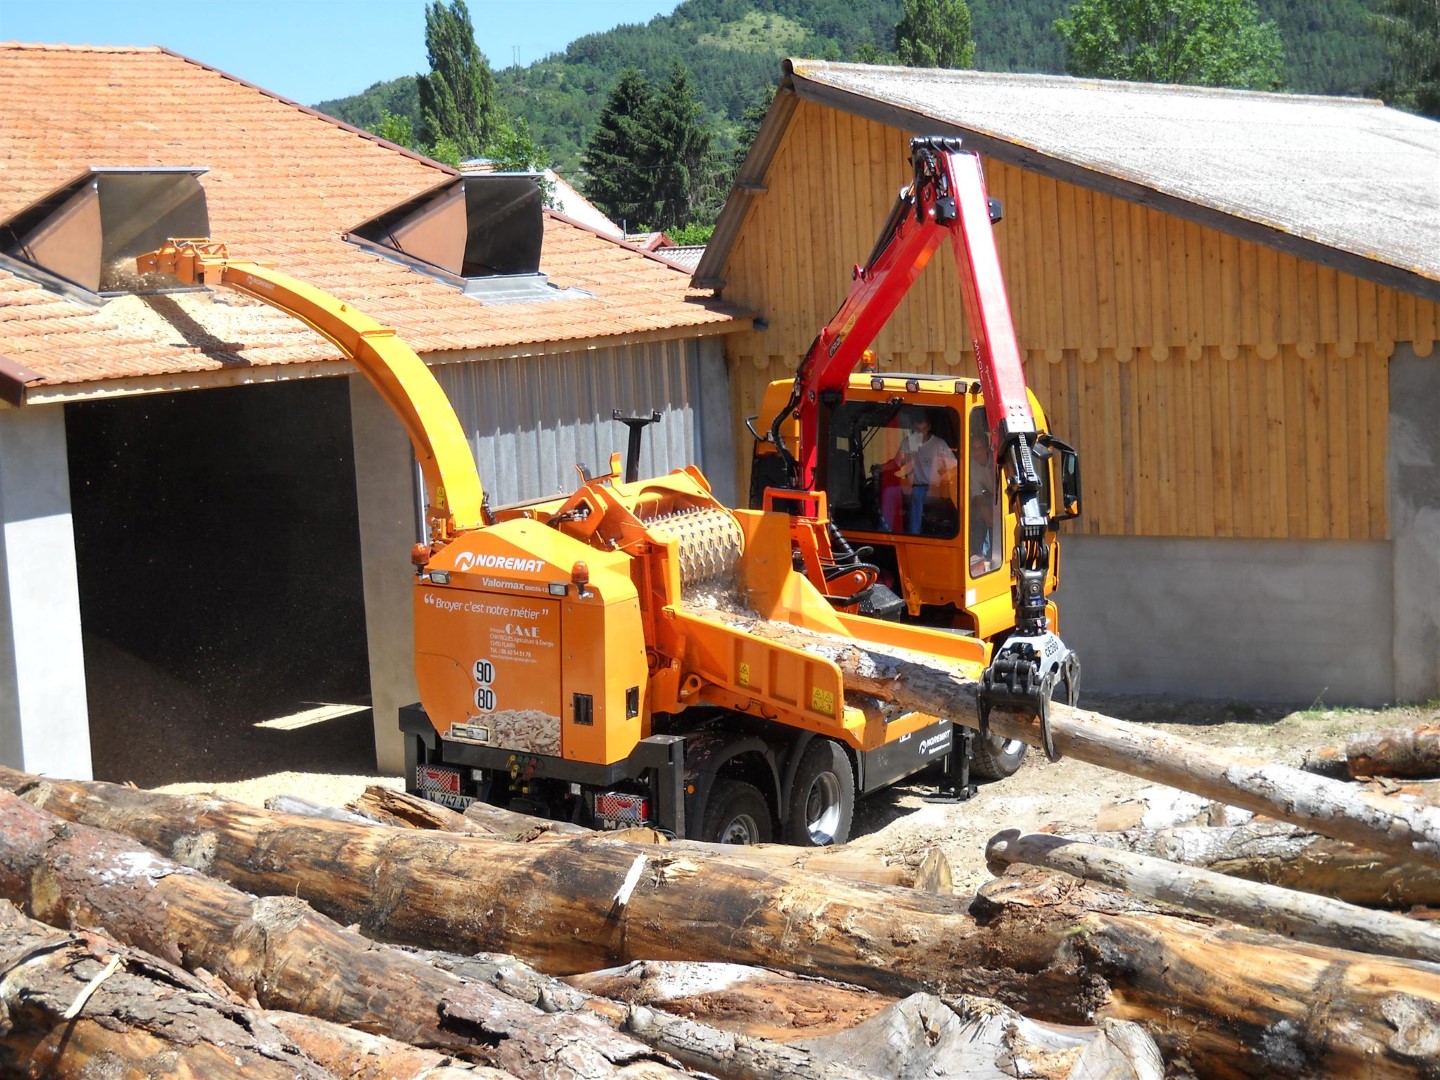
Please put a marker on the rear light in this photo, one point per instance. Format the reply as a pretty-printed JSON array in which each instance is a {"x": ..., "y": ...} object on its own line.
[
  {"x": 620, "y": 806},
  {"x": 434, "y": 778}
]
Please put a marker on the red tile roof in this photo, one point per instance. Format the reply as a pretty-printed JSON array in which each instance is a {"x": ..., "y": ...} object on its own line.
[{"x": 284, "y": 183}]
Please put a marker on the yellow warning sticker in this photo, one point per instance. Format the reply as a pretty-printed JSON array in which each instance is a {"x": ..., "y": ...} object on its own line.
[
  {"x": 744, "y": 673},
  {"x": 822, "y": 701}
]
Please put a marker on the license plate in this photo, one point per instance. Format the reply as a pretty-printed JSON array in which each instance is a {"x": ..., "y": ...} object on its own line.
[{"x": 446, "y": 798}]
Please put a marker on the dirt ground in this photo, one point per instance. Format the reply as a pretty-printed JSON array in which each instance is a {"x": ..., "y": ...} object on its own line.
[{"x": 902, "y": 823}]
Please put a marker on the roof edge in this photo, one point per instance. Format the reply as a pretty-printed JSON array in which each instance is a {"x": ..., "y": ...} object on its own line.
[
  {"x": 749, "y": 181},
  {"x": 16, "y": 380},
  {"x": 351, "y": 128},
  {"x": 1026, "y": 157},
  {"x": 617, "y": 241},
  {"x": 12, "y": 375},
  {"x": 1076, "y": 81}
]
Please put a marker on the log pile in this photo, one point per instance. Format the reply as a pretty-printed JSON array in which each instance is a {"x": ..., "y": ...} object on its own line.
[{"x": 393, "y": 938}]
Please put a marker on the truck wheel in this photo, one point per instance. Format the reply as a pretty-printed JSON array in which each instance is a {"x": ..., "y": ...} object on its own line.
[
  {"x": 822, "y": 799},
  {"x": 736, "y": 814},
  {"x": 996, "y": 757}
]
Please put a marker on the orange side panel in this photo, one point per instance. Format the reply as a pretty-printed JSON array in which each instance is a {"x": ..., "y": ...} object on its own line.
[{"x": 491, "y": 663}]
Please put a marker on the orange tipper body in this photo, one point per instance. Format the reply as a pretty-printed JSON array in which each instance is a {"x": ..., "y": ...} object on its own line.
[{"x": 570, "y": 652}]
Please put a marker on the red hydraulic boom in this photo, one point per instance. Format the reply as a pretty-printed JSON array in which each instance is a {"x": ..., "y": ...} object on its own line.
[{"x": 947, "y": 199}]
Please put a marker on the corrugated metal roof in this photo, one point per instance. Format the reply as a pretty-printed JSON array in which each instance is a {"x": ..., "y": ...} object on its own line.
[
  {"x": 1343, "y": 181},
  {"x": 284, "y": 183}
]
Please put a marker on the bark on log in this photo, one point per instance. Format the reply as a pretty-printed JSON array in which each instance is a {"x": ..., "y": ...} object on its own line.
[
  {"x": 722, "y": 1050},
  {"x": 1260, "y": 1006},
  {"x": 1064, "y": 953},
  {"x": 1297, "y": 915},
  {"x": 282, "y": 954},
  {"x": 408, "y": 811},
  {"x": 359, "y": 1055},
  {"x": 1326, "y": 761},
  {"x": 960, "y": 1037},
  {"x": 748, "y": 1000},
  {"x": 913, "y": 682},
  {"x": 293, "y": 804},
  {"x": 1279, "y": 854},
  {"x": 78, "y": 1005},
  {"x": 1160, "y": 807},
  {"x": 1413, "y": 753}
]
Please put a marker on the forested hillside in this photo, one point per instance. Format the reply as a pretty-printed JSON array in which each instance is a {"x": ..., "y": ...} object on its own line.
[{"x": 733, "y": 49}]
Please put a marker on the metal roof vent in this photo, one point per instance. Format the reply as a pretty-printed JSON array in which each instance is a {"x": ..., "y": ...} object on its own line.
[
  {"x": 481, "y": 233},
  {"x": 83, "y": 237}
]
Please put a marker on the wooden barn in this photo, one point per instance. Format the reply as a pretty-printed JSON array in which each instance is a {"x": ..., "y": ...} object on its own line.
[{"x": 1228, "y": 303}]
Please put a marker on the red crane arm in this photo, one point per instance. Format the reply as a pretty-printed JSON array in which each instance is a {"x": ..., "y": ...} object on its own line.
[{"x": 946, "y": 198}]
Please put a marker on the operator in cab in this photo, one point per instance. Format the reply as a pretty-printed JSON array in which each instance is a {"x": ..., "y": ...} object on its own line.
[{"x": 925, "y": 459}]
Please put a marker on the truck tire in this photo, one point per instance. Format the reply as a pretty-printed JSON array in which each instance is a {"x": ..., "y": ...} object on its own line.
[
  {"x": 996, "y": 757},
  {"x": 736, "y": 814},
  {"x": 822, "y": 797}
]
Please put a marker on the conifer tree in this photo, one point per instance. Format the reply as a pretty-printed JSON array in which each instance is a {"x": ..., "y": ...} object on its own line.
[
  {"x": 457, "y": 98},
  {"x": 935, "y": 34},
  {"x": 618, "y": 158},
  {"x": 679, "y": 147},
  {"x": 1411, "y": 32}
]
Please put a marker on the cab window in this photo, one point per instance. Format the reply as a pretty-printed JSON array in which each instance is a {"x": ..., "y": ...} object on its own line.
[
  {"x": 986, "y": 513},
  {"x": 894, "y": 468}
]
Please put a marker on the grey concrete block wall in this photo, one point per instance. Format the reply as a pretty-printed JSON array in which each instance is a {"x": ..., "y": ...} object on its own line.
[
  {"x": 44, "y": 716},
  {"x": 1259, "y": 620},
  {"x": 1413, "y": 476}
]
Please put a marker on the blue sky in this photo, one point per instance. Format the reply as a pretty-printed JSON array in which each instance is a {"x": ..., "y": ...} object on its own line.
[{"x": 314, "y": 50}]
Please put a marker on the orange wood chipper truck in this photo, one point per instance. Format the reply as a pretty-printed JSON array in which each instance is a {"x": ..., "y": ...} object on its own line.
[{"x": 570, "y": 659}]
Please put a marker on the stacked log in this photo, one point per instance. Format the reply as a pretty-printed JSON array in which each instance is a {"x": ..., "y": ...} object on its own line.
[
  {"x": 1409, "y": 753},
  {"x": 949, "y": 987},
  {"x": 1054, "y": 952}
]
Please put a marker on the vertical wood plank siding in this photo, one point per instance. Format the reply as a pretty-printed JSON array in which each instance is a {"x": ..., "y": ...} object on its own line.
[{"x": 1214, "y": 387}]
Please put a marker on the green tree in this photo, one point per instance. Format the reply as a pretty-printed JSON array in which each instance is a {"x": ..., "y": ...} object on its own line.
[
  {"x": 617, "y": 158},
  {"x": 511, "y": 149},
  {"x": 936, "y": 34},
  {"x": 751, "y": 120},
  {"x": 1199, "y": 42},
  {"x": 397, "y": 129},
  {"x": 867, "y": 52},
  {"x": 1411, "y": 32},
  {"x": 679, "y": 151},
  {"x": 457, "y": 98}
]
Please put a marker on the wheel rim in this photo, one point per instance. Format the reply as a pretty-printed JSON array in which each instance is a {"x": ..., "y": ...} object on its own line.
[
  {"x": 1006, "y": 747},
  {"x": 822, "y": 809},
  {"x": 740, "y": 829}
]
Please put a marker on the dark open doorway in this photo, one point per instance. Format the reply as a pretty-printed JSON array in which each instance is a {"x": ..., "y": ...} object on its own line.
[{"x": 218, "y": 549}]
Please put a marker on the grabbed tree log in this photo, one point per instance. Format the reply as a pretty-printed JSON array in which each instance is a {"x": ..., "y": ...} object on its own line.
[
  {"x": 914, "y": 682},
  {"x": 1063, "y": 953}
]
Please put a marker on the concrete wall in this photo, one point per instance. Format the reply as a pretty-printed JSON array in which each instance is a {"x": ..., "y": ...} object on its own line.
[
  {"x": 44, "y": 723},
  {"x": 530, "y": 421},
  {"x": 1413, "y": 475},
  {"x": 386, "y": 498},
  {"x": 1276, "y": 620}
]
